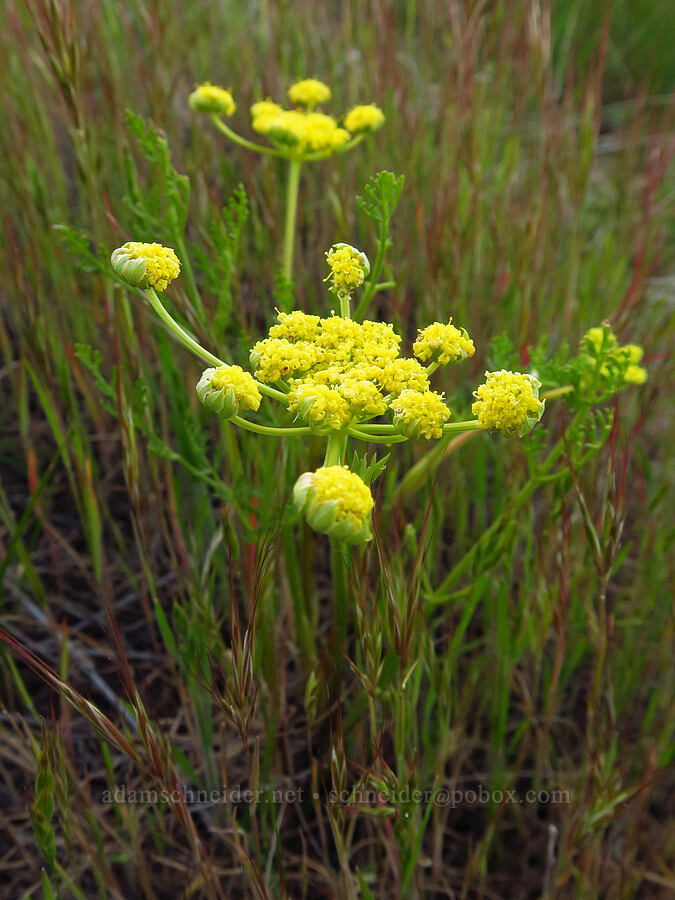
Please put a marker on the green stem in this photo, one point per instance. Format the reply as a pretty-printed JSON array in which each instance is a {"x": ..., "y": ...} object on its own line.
[
  {"x": 335, "y": 453},
  {"x": 189, "y": 274},
  {"x": 294, "y": 167},
  {"x": 458, "y": 427},
  {"x": 340, "y": 591},
  {"x": 269, "y": 430},
  {"x": 180, "y": 332},
  {"x": 243, "y": 142},
  {"x": 387, "y": 434},
  {"x": 557, "y": 392},
  {"x": 375, "y": 271},
  {"x": 335, "y": 449},
  {"x": 196, "y": 348},
  {"x": 360, "y": 435}
]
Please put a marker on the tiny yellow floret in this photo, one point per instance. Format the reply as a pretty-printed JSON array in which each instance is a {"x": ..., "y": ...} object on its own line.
[
  {"x": 309, "y": 92},
  {"x": 146, "y": 265},
  {"x": 209, "y": 98},
  {"x": 508, "y": 402},
  {"x": 360, "y": 119}
]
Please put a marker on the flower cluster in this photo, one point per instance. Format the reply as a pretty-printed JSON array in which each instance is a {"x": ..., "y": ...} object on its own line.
[
  {"x": 443, "y": 344},
  {"x": 336, "y": 374},
  {"x": 336, "y": 502},
  {"x": 208, "y": 98},
  {"x": 309, "y": 92},
  {"x": 420, "y": 413},
  {"x": 340, "y": 372},
  {"x": 610, "y": 362},
  {"x": 348, "y": 268},
  {"x": 227, "y": 390},
  {"x": 145, "y": 265},
  {"x": 361, "y": 119},
  {"x": 303, "y": 132},
  {"x": 508, "y": 402}
]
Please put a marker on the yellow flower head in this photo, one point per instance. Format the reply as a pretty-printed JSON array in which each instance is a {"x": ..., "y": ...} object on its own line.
[
  {"x": 364, "y": 118},
  {"x": 265, "y": 108},
  {"x": 599, "y": 338},
  {"x": 296, "y": 326},
  {"x": 309, "y": 92},
  {"x": 228, "y": 389},
  {"x": 319, "y": 405},
  {"x": 208, "y": 98},
  {"x": 145, "y": 265},
  {"x": 404, "y": 374},
  {"x": 348, "y": 268},
  {"x": 275, "y": 358},
  {"x": 321, "y": 132},
  {"x": 420, "y": 413},
  {"x": 635, "y": 375},
  {"x": 508, "y": 402},
  {"x": 611, "y": 361},
  {"x": 443, "y": 344},
  {"x": 336, "y": 502}
]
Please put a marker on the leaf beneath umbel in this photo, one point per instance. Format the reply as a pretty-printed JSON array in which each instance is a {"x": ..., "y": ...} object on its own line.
[{"x": 368, "y": 471}]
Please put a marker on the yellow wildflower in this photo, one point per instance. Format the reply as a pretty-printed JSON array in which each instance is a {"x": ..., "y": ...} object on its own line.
[
  {"x": 443, "y": 344},
  {"x": 275, "y": 358},
  {"x": 228, "y": 389},
  {"x": 145, "y": 265},
  {"x": 508, "y": 402},
  {"x": 364, "y": 118},
  {"x": 208, "y": 98},
  {"x": 336, "y": 502},
  {"x": 402, "y": 374},
  {"x": 420, "y": 413},
  {"x": 309, "y": 92},
  {"x": 348, "y": 268}
]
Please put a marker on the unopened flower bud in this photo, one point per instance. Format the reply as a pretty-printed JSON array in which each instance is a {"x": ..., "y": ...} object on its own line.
[
  {"x": 145, "y": 265},
  {"x": 227, "y": 390},
  {"x": 335, "y": 502}
]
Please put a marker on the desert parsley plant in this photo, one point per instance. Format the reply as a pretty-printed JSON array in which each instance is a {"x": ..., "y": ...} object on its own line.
[
  {"x": 344, "y": 378},
  {"x": 304, "y": 133}
]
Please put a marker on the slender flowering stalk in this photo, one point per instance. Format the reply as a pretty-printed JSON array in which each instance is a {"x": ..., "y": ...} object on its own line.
[{"x": 301, "y": 134}]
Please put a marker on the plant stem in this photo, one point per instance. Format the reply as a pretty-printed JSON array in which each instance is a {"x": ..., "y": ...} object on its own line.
[
  {"x": 557, "y": 392},
  {"x": 335, "y": 448},
  {"x": 340, "y": 584},
  {"x": 196, "y": 348},
  {"x": 268, "y": 429},
  {"x": 180, "y": 332},
  {"x": 335, "y": 452},
  {"x": 375, "y": 271},
  {"x": 294, "y": 167},
  {"x": 189, "y": 274},
  {"x": 375, "y": 438},
  {"x": 243, "y": 142}
]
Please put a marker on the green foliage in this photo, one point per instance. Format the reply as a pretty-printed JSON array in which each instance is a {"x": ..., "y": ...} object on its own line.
[{"x": 380, "y": 196}]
